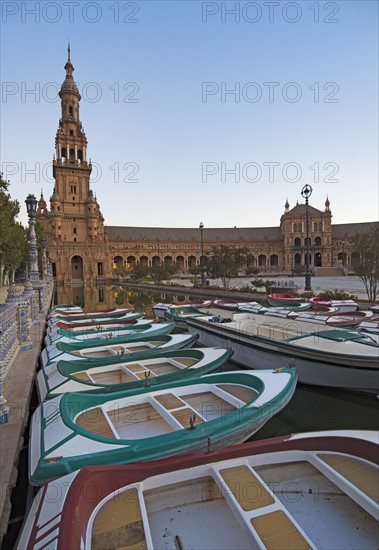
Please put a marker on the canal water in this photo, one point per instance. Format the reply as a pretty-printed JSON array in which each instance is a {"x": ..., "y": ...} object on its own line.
[{"x": 312, "y": 408}]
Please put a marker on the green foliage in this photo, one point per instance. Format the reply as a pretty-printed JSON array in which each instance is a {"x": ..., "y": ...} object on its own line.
[
  {"x": 365, "y": 261},
  {"x": 225, "y": 263},
  {"x": 162, "y": 272},
  {"x": 139, "y": 272},
  {"x": 263, "y": 283},
  {"x": 337, "y": 295},
  {"x": 13, "y": 237}
]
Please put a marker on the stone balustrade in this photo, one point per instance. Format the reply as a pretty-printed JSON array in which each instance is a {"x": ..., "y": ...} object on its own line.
[{"x": 17, "y": 316}]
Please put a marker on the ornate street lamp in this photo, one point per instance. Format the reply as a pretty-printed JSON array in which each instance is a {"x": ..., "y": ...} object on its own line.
[
  {"x": 31, "y": 207},
  {"x": 306, "y": 192},
  {"x": 201, "y": 227}
]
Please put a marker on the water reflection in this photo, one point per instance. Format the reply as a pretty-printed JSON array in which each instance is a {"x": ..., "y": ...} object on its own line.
[
  {"x": 92, "y": 297},
  {"x": 311, "y": 408}
]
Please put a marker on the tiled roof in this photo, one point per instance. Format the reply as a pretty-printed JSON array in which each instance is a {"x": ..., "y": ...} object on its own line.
[
  {"x": 152, "y": 234},
  {"x": 340, "y": 231}
]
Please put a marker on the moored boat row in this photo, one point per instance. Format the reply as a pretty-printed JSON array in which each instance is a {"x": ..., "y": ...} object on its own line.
[{"x": 122, "y": 415}]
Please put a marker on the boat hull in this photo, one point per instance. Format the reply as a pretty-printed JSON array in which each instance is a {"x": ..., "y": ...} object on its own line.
[{"x": 313, "y": 367}]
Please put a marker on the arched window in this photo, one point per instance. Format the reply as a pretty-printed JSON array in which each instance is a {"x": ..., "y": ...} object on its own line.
[
  {"x": 318, "y": 241},
  {"x": 70, "y": 113},
  {"x": 274, "y": 260},
  {"x": 297, "y": 241}
]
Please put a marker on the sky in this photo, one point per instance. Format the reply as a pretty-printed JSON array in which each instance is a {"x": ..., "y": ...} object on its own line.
[{"x": 211, "y": 112}]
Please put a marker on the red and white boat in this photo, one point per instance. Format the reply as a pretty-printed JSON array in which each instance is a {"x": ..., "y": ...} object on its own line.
[
  {"x": 342, "y": 305},
  {"x": 312, "y": 490}
]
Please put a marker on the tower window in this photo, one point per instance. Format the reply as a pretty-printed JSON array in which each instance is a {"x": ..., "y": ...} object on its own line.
[
  {"x": 71, "y": 132},
  {"x": 70, "y": 113},
  {"x": 74, "y": 230},
  {"x": 73, "y": 189}
]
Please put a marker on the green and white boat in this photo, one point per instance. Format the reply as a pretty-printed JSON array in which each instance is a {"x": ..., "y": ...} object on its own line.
[
  {"x": 213, "y": 411},
  {"x": 133, "y": 348},
  {"x": 149, "y": 369},
  {"x": 101, "y": 348},
  {"x": 101, "y": 331}
]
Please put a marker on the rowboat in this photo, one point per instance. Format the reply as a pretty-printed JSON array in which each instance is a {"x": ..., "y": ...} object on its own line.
[
  {"x": 84, "y": 321},
  {"x": 315, "y": 490},
  {"x": 78, "y": 429},
  {"x": 96, "y": 331},
  {"x": 179, "y": 314},
  {"x": 160, "y": 309},
  {"x": 281, "y": 299},
  {"x": 333, "y": 319},
  {"x": 370, "y": 324},
  {"x": 255, "y": 307},
  {"x": 342, "y": 305},
  {"x": 88, "y": 314},
  {"x": 322, "y": 355},
  {"x": 99, "y": 348},
  {"x": 133, "y": 348},
  {"x": 149, "y": 369},
  {"x": 225, "y": 304}
]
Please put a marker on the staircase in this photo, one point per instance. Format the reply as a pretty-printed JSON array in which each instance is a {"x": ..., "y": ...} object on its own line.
[{"x": 329, "y": 272}]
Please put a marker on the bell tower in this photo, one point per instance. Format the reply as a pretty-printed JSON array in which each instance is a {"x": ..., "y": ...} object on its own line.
[{"x": 75, "y": 226}]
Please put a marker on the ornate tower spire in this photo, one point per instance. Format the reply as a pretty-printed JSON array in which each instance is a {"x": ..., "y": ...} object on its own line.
[
  {"x": 286, "y": 206},
  {"x": 327, "y": 204}
]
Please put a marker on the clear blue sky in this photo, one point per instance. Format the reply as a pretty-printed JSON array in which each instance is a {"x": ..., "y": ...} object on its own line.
[{"x": 303, "y": 110}]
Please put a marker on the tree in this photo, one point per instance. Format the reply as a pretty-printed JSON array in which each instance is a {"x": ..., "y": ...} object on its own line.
[
  {"x": 13, "y": 238},
  {"x": 225, "y": 263},
  {"x": 138, "y": 272},
  {"x": 161, "y": 272},
  {"x": 365, "y": 261}
]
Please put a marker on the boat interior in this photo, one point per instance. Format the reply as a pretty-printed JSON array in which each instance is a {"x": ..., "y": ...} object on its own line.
[
  {"x": 290, "y": 500},
  {"x": 165, "y": 412},
  {"x": 295, "y": 332},
  {"x": 118, "y": 350},
  {"x": 128, "y": 372}
]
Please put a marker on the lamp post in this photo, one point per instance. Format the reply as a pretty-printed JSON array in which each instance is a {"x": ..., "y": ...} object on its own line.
[
  {"x": 201, "y": 227},
  {"x": 306, "y": 192},
  {"x": 31, "y": 207}
]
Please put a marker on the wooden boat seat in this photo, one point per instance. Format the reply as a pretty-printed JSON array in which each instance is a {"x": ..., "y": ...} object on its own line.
[
  {"x": 278, "y": 532},
  {"x": 246, "y": 488},
  {"x": 133, "y": 414},
  {"x": 183, "y": 416},
  {"x": 117, "y": 376},
  {"x": 119, "y": 525},
  {"x": 82, "y": 376},
  {"x": 187, "y": 361},
  {"x": 362, "y": 475},
  {"x": 94, "y": 421},
  {"x": 208, "y": 404},
  {"x": 169, "y": 401},
  {"x": 137, "y": 348},
  {"x": 240, "y": 392},
  {"x": 102, "y": 353}
]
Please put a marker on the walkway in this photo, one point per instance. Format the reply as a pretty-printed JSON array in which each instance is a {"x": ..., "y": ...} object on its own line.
[{"x": 17, "y": 390}]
